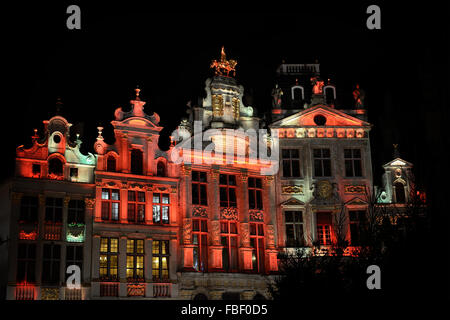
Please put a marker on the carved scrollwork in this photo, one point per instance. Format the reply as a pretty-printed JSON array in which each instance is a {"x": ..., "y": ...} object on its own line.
[{"x": 229, "y": 213}]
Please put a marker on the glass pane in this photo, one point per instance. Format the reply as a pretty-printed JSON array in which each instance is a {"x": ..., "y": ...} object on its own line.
[
  {"x": 203, "y": 195},
  {"x": 294, "y": 153},
  {"x": 141, "y": 196},
  {"x": 203, "y": 176},
  {"x": 156, "y": 213},
  {"x": 347, "y": 153},
  {"x": 155, "y": 247},
  {"x": 232, "y": 180},
  {"x": 357, "y": 153},
  {"x": 286, "y": 168},
  {"x": 130, "y": 246},
  {"x": 285, "y": 153},
  {"x": 195, "y": 175},
  {"x": 295, "y": 168},
  {"x": 223, "y": 179},
  {"x": 204, "y": 225},
  {"x": 325, "y": 153},
  {"x": 140, "y": 246},
  {"x": 165, "y": 214},
  {"x": 233, "y": 228},
  {"x": 260, "y": 229},
  {"x": 195, "y": 225},
  {"x": 156, "y": 197},
  {"x": 195, "y": 194},
  {"x": 104, "y": 245},
  {"x": 327, "y": 168},
  {"x": 358, "y": 168},
  {"x": 131, "y": 196},
  {"x": 165, "y": 199},
  {"x": 348, "y": 168},
  {"x": 252, "y": 229},
  {"x": 317, "y": 153},
  {"x": 114, "y": 194}
]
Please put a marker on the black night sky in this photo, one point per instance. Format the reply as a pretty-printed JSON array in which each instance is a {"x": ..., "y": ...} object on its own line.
[{"x": 166, "y": 51}]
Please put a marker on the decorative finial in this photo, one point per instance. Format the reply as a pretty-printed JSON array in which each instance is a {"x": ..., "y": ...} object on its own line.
[
  {"x": 35, "y": 136},
  {"x": 296, "y": 81},
  {"x": 137, "y": 90},
  {"x": 58, "y": 105},
  {"x": 396, "y": 151},
  {"x": 99, "y": 133}
]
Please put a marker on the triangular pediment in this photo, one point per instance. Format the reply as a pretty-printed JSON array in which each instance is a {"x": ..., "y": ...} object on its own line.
[
  {"x": 398, "y": 162},
  {"x": 356, "y": 202},
  {"x": 292, "y": 202},
  {"x": 332, "y": 116}
]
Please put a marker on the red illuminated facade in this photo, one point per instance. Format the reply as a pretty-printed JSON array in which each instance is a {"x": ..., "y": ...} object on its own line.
[{"x": 141, "y": 225}]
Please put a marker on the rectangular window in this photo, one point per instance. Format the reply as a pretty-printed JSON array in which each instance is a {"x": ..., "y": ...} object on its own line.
[
  {"x": 199, "y": 186},
  {"x": 136, "y": 206},
  {"x": 76, "y": 211},
  {"x": 26, "y": 262},
  {"x": 257, "y": 243},
  {"x": 109, "y": 252},
  {"x": 28, "y": 209},
  {"x": 322, "y": 163},
  {"x": 294, "y": 228},
  {"x": 36, "y": 168},
  {"x": 324, "y": 225},
  {"x": 51, "y": 263},
  {"x": 135, "y": 259},
  {"x": 200, "y": 240},
  {"x": 228, "y": 233},
  {"x": 74, "y": 256},
  {"x": 291, "y": 163},
  {"x": 160, "y": 260},
  {"x": 255, "y": 191},
  {"x": 73, "y": 172},
  {"x": 161, "y": 208},
  {"x": 353, "y": 166},
  {"x": 227, "y": 184},
  {"x": 110, "y": 204},
  {"x": 53, "y": 210},
  {"x": 357, "y": 220}
]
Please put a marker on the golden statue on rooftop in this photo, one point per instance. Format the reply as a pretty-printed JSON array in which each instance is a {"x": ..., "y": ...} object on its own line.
[{"x": 224, "y": 66}]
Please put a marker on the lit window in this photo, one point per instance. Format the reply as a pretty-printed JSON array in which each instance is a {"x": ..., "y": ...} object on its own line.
[
  {"x": 161, "y": 208},
  {"x": 135, "y": 259},
  {"x": 324, "y": 225},
  {"x": 160, "y": 260},
  {"x": 109, "y": 250}
]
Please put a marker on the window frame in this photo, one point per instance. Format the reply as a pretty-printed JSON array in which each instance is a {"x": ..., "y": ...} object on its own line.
[
  {"x": 290, "y": 160},
  {"x": 158, "y": 274},
  {"x": 108, "y": 254},
  {"x": 258, "y": 252},
  {"x": 229, "y": 189},
  {"x": 296, "y": 225},
  {"x": 135, "y": 255},
  {"x": 257, "y": 190},
  {"x": 322, "y": 160},
  {"x": 199, "y": 185},
  {"x": 351, "y": 161},
  {"x": 231, "y": 252},
  {"x": 110, "y": 202},
  {"x": 137, "y": 207},
  {"x": 161, "y": 206},
  {"x": 202, "y": 243}
]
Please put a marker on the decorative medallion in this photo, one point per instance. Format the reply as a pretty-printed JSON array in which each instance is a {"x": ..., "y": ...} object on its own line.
[
  {"x": 50, "y": 294},
  {"x": 229, "y": 213},
  {"x": 324, "y": 189},
  {"x": 136, "y": 289}
]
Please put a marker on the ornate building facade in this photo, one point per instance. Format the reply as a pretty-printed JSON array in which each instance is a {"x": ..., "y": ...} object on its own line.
[{"x": 141, "y": 224}]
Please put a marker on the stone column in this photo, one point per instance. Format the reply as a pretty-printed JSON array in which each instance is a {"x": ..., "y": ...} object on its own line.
[
  {"x": 95, "y": 271},
  {"x": 123, "y": 266},
  {"x": 88, "y": 240},
  {"x": 123, "y": 212}
]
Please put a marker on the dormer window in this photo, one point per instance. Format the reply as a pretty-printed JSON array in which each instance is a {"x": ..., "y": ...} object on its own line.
[
  {"x": 55, "y": 166},
  {"x": 161, "y": 169},
  {"x": 74, "y": 172},
  {"x": 111, "y": 164},
  {"x": 399, "y": 192},
  {"x": 136, "y": 162}
]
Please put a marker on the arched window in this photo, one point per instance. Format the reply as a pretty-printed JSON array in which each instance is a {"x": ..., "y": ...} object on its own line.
[
  {"x": 399, "y": 192},
  {"x": 55, "y": 166},
  {"x": 136, "y": 161},
  {"x": 161, "y": 169},
  {"x": 330, "y": 94},
  {"x": 111, "y": 164}
]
